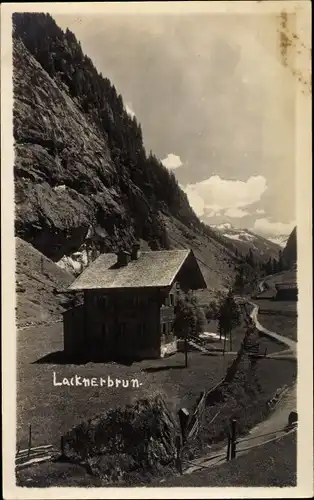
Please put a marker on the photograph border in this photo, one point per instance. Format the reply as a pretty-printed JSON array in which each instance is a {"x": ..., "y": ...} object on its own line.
[{"x": 303, "y": 171}]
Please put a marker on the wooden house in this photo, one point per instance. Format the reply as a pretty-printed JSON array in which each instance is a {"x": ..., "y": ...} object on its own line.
[
  {"x": 129, "y": 304},
  {"x": 286, "y": 291}
]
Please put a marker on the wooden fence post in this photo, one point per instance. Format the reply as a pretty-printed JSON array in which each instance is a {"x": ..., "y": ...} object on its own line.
[
  {"x": 179, "y": 453},
  {"x": 184, "y": 419},
  {"x": 233, "y": 439},
  {"x": 29, "y": 440},
  {"x": 62, "y": 446},
  {"x": 228, "y": 447},
  {"x": 186, "y": 352}
]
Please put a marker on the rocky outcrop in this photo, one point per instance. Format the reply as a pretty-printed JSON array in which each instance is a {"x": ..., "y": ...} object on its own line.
[
  {"x": 64, "y": 177},
  {"x": 78, "y": 191}
]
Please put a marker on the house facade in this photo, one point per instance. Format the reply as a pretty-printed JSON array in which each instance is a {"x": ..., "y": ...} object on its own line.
[
  {"x": 129, "y": 304},
  {"x": 286, "y": 291}
]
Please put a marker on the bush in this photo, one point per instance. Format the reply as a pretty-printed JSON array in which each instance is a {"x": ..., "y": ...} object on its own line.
[{"x": 137, "y": 438}]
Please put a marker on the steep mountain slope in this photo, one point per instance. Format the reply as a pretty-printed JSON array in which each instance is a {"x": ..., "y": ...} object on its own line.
[
  {"x": 83, "y": 181},
  {"x": 243, "y": 240},
  {"x": 37, "y": 279},
  {"x": 289, "y": 253},
  {"x": 280, "y": 240}
]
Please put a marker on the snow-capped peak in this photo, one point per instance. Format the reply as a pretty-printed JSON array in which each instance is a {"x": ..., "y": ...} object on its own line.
[{"x": 280, "y": 240}]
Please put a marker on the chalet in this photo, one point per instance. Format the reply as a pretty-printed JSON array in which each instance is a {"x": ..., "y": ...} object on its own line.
[
  {"x": 286, "y": 291},
  {"x": 129, "y": 303}
]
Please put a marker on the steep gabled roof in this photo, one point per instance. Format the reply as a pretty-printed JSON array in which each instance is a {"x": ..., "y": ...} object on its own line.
[{"x": 151, "y": 269}]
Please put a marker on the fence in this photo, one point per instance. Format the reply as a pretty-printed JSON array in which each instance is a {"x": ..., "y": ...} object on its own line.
[
  {"x": 32, "y": 455},
  {"x": 234, "y": 445},
  {"x": 26, "y": 458}
]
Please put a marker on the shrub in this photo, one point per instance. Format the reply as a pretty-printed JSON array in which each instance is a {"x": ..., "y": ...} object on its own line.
[{"x": 136, "y": 438}]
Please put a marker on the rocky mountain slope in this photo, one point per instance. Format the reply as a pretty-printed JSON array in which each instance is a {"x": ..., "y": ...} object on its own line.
[
  {"x": 37, "y": 279},
  {"x": 80, "y": 159},
  {"x": 244, "y": 240},
  {"x": 280, "y": 240},
  {"x": 84, "y": 183},
  {"x": 290, "y": 251}
]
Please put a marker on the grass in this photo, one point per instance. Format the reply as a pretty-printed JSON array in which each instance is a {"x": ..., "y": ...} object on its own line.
[
  {"x": 245, "y": 399},
  {"x": 279, "y": 307},
  {"x": 52, "y": 410},
  {"x": 37, "y": 277},
  {"x": 265, "y": 343},
  {"x": 284, "y": 325},
  {"x": 272, "y": 464}
]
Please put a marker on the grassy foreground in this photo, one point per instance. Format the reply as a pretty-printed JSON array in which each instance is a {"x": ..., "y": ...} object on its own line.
[{"x": 273, "y": 464}]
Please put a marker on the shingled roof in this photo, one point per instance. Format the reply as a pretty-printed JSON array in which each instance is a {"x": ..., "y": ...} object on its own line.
[{"x": 151, "y": 269}]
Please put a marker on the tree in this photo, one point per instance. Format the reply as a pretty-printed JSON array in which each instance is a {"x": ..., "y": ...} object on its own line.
[
  {"x": 268, "y": 267},
  {"x": 190, "y": 317},
  {"x": 250, "y": 258},
  {"x": 211, "y": 311},
  {"x": 250, "y": 330},
  {"x": 228, "y": 317},
  {"x": 274, "y": 266},
  {"x": 280, "y": 265}
]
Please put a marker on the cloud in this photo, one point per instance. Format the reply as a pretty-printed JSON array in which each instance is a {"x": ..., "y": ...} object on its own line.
[
  {"x": 215, "y": 195},
  {"x": 129, "y": 110},
  {"x": 260, "y": 211},
  {"x": 236, "y": 213},
  {"x": 266, "y": 227},
  {"x": 196, "y": 201},
  {"x": 172, "y": 161}
]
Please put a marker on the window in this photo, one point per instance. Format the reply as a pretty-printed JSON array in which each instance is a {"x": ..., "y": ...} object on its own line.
[{"x": 171, "y": 299}]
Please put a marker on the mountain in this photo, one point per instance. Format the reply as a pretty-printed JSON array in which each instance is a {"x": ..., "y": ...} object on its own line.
[
  {"x": 289, "y": 253},
  {"x": 37, "y": 279},
  {"x": 84, "y": 183},
  {"x": 280, "y": 240},
  {"x": 244, "y": 240}
]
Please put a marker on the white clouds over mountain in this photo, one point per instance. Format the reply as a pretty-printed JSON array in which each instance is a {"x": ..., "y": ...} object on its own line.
[
  {"x": 267, "y": 227},
  {"x": 236, "y": 213},
  {"x": 215, "y": 195}
]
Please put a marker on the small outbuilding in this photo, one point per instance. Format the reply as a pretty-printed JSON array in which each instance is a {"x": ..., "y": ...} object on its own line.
[{"x": 286, "y": 291}]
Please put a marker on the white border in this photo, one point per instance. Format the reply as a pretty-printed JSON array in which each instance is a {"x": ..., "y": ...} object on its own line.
[{"x": 304, "y": 223}]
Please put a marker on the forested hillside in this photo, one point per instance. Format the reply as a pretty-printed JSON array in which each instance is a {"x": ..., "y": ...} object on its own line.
[{"x": 83, "y": 179}]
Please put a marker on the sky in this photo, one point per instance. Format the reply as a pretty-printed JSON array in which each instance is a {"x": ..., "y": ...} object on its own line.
[{"x": 216, "y": 105}]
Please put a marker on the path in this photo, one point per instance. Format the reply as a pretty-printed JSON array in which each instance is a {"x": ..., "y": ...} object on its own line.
[
  {"x": 291, "y": 344},
  {"x": 270, "y": 429}
]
